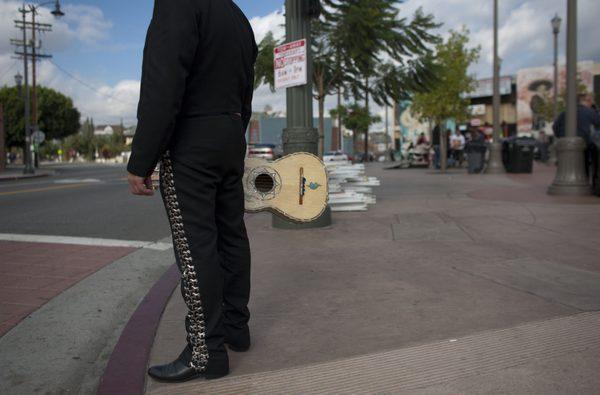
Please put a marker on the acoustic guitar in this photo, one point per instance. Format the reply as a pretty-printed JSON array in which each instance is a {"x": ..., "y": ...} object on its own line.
[{"x": 295, "y": 187}]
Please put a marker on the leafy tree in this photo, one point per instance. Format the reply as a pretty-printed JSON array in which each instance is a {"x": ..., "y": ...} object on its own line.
[
  {"x": 329, "y": 75},
  {"x": 447, "y": 99},
  {"x": 386, "y": 55},
  {"x": 263, "y": 69},
  {"x": 356, "y": 118},
  {"x": 57, "y": 116}
]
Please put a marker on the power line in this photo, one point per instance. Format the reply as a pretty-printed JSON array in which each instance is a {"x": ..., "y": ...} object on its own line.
[
  {"x": 90, "y": 87},
  {"x": 9, "y": 69}
]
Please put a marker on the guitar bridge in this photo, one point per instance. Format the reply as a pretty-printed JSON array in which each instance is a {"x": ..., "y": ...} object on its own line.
[{"x": 302, "y": 186}]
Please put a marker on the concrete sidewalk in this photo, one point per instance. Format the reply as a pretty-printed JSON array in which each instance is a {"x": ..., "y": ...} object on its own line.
[{"x": 377, "y": 302}]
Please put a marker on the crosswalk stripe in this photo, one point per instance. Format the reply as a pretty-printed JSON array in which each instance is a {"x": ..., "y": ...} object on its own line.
[{"x": 85, "y": 241}]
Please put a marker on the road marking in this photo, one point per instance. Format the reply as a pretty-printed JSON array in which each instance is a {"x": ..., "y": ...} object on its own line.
[
  {"x": 78, "y": 181},
  {"x": 34, "y": 190},
  {"x": 85, "y": 241}
]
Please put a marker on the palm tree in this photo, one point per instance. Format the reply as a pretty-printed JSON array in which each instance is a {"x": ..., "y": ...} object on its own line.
[{"x": 388, "y": 56}]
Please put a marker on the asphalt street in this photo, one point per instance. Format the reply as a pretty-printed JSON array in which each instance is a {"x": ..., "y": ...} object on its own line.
[{"x": 81, "y": 201}]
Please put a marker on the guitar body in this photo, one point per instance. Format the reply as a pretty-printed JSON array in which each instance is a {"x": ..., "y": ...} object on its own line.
[{"x": 294, "y": 187}]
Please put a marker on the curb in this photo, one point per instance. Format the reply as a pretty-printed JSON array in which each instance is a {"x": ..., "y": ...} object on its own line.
[
  {"x": 126, "y": 368},
  {"x": 23, "y": 177}
]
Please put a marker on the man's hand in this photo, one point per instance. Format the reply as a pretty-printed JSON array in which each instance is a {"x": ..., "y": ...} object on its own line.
[{"x": 140, "y": 186}]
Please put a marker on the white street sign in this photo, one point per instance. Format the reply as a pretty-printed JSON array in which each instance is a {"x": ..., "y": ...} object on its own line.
[
  {"x": 38, "y": 137},
  {"x": 291, "y": 64}
]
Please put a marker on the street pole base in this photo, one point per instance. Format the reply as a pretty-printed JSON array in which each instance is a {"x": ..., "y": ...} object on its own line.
[
  {"x": 321, "y": 222},
  {"x": 569, "y": 190},
  {"x": 571, "y": 179},
  {"x": 495, "y": 164}
]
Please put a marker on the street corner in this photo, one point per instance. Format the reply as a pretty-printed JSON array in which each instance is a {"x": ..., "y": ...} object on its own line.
[{"x": 31, "y": 274}]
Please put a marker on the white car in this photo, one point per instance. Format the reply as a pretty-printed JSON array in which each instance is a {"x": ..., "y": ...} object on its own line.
[
  {"x": 335, "y": 156},
  {"x": 264, "y": 151}
]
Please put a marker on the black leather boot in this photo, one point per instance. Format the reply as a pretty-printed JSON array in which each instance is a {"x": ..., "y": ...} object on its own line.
[
  {"x": 238, "y": 340},
  {"x": 180, "y": 370}
]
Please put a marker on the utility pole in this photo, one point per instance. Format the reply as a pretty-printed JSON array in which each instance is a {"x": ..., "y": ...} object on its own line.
[
  {"x": 300, "y": 134},
  {"x": 495, "y": 166},
  {"x": 571, "y": 179},
  {"x": 24, "y": 53}
]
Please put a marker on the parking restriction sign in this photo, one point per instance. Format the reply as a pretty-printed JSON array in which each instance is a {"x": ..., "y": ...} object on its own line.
[{"x": 291, "y": 64}]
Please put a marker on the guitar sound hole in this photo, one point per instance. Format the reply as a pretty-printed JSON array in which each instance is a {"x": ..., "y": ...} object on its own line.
[{"x": 264, "y": 183}]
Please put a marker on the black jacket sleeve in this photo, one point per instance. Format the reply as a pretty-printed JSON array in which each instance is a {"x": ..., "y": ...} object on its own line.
[
  {"x": 169, "y": 53},
  {"x": 247, "y": 105}
]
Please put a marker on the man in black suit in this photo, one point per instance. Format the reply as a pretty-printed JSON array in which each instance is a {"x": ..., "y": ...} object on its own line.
[{"x": 194, "y": 109}]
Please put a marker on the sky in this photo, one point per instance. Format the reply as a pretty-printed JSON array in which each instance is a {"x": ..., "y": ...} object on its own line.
[{"x": 97, "y": 47}]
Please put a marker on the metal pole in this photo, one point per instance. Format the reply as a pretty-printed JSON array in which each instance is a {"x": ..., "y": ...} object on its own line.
[
  {"x": 495, "y": 166},
  {"x": 34, "y": 112},
  {"x": 34, "y": 118},
  {"x": 300, "y": 134},
  {"x": 556, "y": 88},
  {"x": 27, "y": 153},
  {"x": 387, "y": 127},
  {"x": 2, "y": 140},
  {"x": 571, "y": 178}
]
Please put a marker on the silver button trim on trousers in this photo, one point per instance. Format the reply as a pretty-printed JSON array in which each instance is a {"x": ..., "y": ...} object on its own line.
[{"x": 196, "y": 327}]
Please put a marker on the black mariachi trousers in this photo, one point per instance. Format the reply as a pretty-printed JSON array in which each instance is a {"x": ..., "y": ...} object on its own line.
[{"x": 201, "y": 186}]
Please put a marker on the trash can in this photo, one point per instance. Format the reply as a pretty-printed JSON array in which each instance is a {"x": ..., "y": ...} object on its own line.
[
  {"x": 518, "y": 154},
  {"x": 475, "y": 156}
]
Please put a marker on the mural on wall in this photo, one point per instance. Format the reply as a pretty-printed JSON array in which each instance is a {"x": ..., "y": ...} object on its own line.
[
  {"x": 410, "y": 126},
  {"x": 535, "y": 86}
]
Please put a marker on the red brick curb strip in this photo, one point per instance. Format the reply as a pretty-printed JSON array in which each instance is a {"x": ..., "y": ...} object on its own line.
[{"x": 126, "y": 369}]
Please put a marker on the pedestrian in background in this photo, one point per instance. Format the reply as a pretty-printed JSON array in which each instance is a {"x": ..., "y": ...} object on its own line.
[
  {"x": 435, "y": 143},
  {"x": 457, "y": 145},
  {"x": 587, "y": 118}
]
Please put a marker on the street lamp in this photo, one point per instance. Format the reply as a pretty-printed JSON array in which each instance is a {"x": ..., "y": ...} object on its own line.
[
  {"x": 571, "y": 178},
  {"x": 57, "y": 11},
  {"x": 556, "y": 22},
  {"x": 495, "y": 165}
]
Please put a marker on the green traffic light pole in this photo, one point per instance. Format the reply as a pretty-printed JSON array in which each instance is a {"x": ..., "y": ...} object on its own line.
[{"x": 300, "y": 135}]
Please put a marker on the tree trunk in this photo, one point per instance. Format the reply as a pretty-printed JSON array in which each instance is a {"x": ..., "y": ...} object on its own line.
[
  {"x": 366, "y": 158},
  {"x": 443, "y": 149}
]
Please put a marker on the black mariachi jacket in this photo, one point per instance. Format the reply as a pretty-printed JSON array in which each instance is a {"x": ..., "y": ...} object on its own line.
[{"x": 198, "y": 60}]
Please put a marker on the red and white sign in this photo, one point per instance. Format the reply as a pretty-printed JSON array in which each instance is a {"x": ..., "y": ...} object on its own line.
[{"x": 291, "y": 64}]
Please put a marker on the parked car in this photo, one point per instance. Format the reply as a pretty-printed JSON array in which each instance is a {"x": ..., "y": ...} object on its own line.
[
  {"x": 336, "y": 156},
  {"x": 264, "y": 151}
]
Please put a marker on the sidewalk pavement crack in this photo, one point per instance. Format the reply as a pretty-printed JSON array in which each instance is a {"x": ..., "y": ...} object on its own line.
[{"x": 521, "y": 290}]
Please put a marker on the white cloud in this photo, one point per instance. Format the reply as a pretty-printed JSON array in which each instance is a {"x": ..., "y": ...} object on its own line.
[
  {"x": 82, "y": 25},
  {"x": 525, "y": 41},
  {"x": 273, "y": 22},
  {"x": 525, "y": 35}
]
